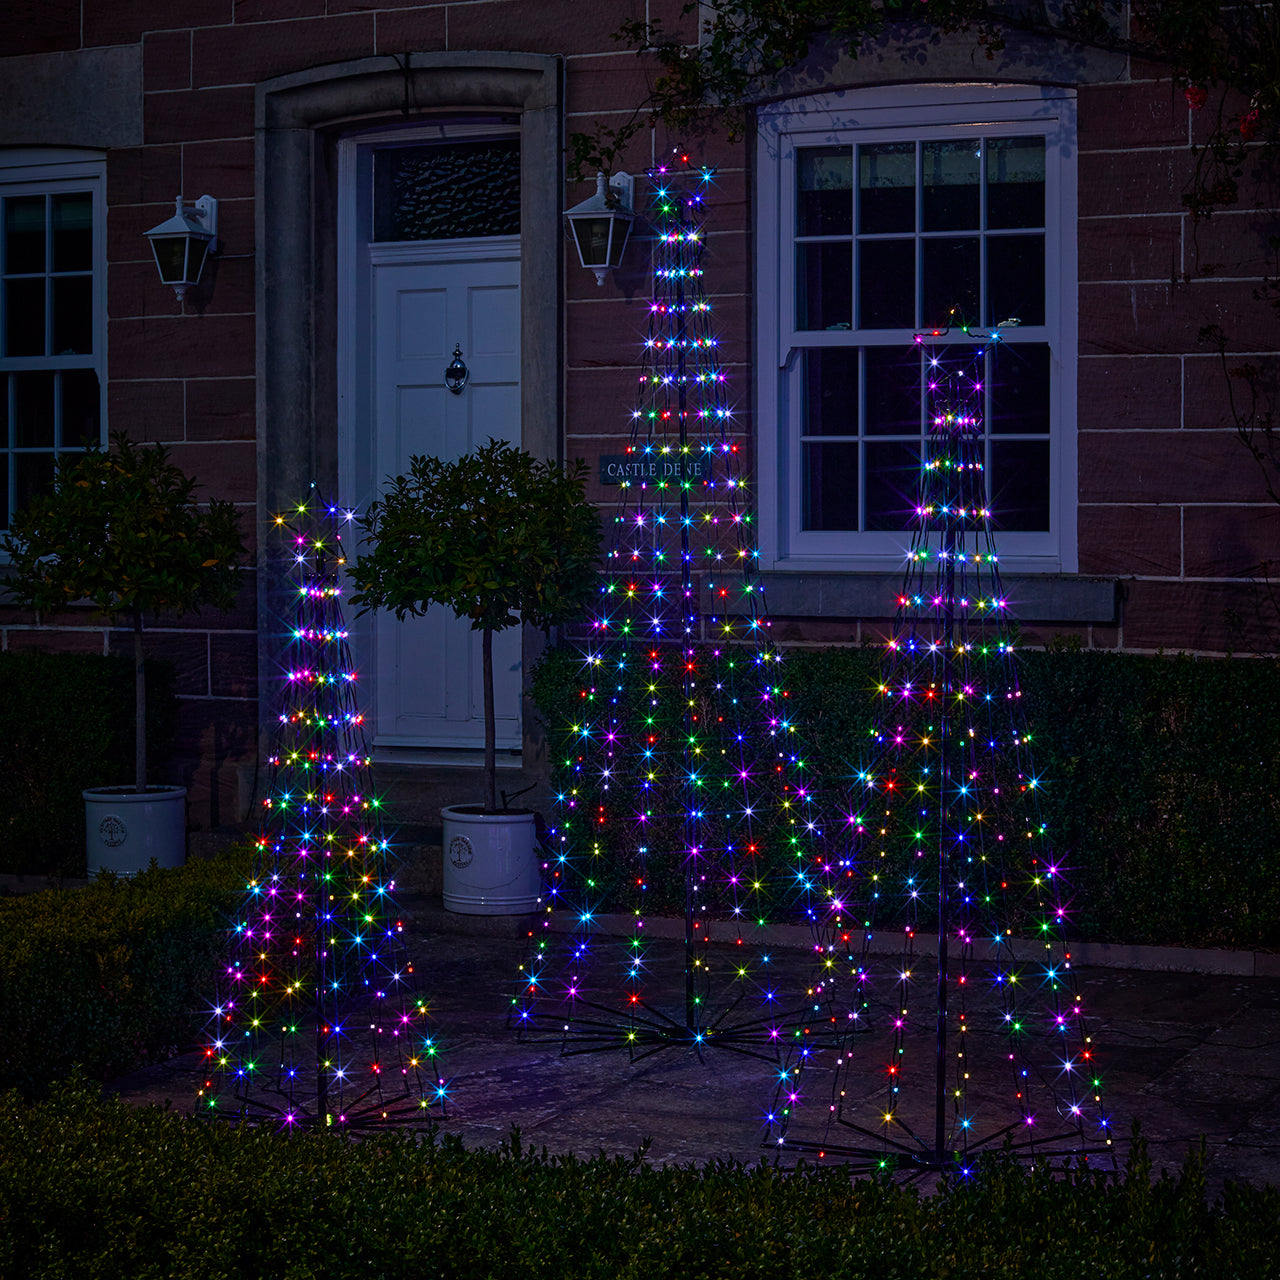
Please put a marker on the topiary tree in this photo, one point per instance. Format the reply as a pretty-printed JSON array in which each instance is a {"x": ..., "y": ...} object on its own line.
[
  {"x": 122, "y": 530},
  {"x": 496, "y": 536}
]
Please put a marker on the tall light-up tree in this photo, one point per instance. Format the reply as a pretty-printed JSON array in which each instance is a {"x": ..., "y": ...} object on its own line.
[
  {"x": 317, "y": 1021},
  {"x": 969, "y": 1031},
  {"x": 680, "y": 786}
]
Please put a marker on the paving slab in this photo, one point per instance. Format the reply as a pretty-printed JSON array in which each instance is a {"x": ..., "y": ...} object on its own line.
[{"x": 1185, "y": 1055}]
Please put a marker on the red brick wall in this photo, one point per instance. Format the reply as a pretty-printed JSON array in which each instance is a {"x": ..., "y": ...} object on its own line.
[{"x": 1169, "y": 502}]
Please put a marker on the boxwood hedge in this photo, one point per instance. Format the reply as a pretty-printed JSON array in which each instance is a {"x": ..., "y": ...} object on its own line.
[
  {"x": 1161, "y": 778},
  {"x": 107, "y": 977},
  {"x": 92, "y": 1189}
]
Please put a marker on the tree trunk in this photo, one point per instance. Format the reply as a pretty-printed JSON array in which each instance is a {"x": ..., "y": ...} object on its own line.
[
  {"x": 139, "y": 707},
  {"x": 490, "y": 732}
]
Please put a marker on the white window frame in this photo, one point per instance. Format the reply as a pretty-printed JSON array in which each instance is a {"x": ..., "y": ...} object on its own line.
[
  {"x": 903, "y": 113},
  {"x": 49, "y": 171}
]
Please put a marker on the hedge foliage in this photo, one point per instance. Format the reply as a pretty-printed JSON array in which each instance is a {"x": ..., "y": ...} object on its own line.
[
  {"x": 93, "y": 1189},
  {"x": 1161, "y": 778},
  {"x": 66, "y": 723},
  {"x": 113, "y": 975}
]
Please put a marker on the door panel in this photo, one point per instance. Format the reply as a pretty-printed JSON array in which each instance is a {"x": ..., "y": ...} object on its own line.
[{"x": 428, "y": 690}]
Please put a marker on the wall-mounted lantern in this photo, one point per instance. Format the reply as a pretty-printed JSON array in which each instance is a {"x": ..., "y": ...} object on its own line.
[
  {"x": 602, "y": 223},
  {"x": 182, "y": 244}
]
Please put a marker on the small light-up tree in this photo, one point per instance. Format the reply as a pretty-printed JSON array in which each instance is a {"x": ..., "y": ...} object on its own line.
[
  {"x": 960, "y": 1023},
  {"x": 317, "y": 1020}
]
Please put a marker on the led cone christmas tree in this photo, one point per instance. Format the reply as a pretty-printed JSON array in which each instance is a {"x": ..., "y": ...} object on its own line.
[
  {"x": 317, "y": 1020},
  {"x": 968, "y": 1030},
  {"x": 680, "y": 787}
]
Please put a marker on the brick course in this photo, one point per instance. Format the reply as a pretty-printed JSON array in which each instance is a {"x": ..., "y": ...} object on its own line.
[
  {"x": 41, "y": 26},
  {"x": 246, "y": 54}
]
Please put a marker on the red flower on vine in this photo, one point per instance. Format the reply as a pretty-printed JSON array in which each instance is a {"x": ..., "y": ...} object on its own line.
[
  {"x": 1196, "y": 96},
  {"x": 1249, "y": 124}
]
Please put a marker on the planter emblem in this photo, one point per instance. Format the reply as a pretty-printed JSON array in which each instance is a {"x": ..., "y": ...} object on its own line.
[
  {"x": 113, "y": 831},
  {"x": 461, "y": 852}
]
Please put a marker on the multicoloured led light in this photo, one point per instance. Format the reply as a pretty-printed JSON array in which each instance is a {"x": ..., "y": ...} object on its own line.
[
  {"x": 317, "y": 1020},
  {"x": 975, "y": 1036},
  {"x": 683, "y": 782}
]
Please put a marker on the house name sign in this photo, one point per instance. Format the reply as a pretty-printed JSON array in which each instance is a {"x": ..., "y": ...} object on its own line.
[{"x": 624, "y": 468}]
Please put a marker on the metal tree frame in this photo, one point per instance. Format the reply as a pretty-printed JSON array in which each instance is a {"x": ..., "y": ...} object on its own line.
[
  {"x": 683, "y": 731},
  {"x": 318, "y": 1022},
  {"x": 951, "y": 773}
]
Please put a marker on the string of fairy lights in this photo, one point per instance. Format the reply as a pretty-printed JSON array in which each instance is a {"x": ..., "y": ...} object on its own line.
[
  {"x": 317, "y": 1020},
  {"x": 969, "y": 1032},
  {"x": 942, "y": 1016},
  {"x": 682, "y": 788}
]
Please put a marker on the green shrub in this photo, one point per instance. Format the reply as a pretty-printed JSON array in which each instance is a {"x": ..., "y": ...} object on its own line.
[
  {"x": 110, "y": 976},
  {"x": 100, "y": 1189},
  {"x": 66, "y": 723},
  {"x": 1163, "y": 787},
  {"x": 1161, "y": 778}
]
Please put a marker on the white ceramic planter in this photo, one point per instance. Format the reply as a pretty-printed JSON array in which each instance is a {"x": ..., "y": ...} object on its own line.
[
  {"x": 125, "y": 829},
  {"x": 491, "y": 864}
]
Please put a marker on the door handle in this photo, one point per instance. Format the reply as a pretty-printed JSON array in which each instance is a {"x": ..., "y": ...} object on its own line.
[{"x": 456, "y": 375}]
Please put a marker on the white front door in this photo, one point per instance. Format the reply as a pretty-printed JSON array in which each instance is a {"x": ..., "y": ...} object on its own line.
[{"x": 427, "y": 671}]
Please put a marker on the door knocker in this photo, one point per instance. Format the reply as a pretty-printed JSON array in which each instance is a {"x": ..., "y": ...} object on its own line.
[{"x": 456, "y": 375}]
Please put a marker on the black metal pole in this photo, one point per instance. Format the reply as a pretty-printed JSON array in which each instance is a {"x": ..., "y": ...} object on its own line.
[
  {"x": 691, "y": 1020},
  {"x": 317, "y": 874},
  {"x": 949, "y": 550}
]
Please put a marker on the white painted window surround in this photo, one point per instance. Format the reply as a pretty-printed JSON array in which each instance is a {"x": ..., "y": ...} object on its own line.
[
  {"x": 798, "y": 340},
  {"x": 52, "y": 313}
]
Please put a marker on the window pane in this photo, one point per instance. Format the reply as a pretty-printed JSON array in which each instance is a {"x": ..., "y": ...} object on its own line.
[
  {"x": 1020, "y": 485},
  {"x": 956, "y": 377},
  {"x": 887, "y": 187},
  {"x": 893, "y": 391},
  {"x": 1015, "y": 279},
  {"x": 72, "y": 315},
  {"x": 830, "y": 393},
  {"x": 1020, "y": 391},
  {"x": 893, "y": 473},
  {"x": 24, "y": 317},
  {"x": 887, "y": 284},
  {"x": 830, "y": 486},
  {"x": 33, "y": 411},
  {"x": 951, "y": 272},
  {"x": 81, "y": 409},
  {"x": 1015, "y": 182},
  {"x": 24, "y": 234},
  {"x": 824, "y": 199},
  {"x": 73, "y": 232},
  {"x": 952, "y": 173},
  {"x": 824, "y": 286},
  {"x": 447, "y": 191},
  {"x": 33, "y": 474}
]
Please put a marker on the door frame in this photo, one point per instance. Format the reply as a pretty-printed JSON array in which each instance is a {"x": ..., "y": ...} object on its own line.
[
  {"x": 359, "y": 258},
  {"x": 299, "y": 119},
  {"x": 356, "y": 260}
]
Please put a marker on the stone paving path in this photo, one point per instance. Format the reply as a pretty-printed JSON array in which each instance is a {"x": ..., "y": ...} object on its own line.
[{"x": 1185, "y": 1054}]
